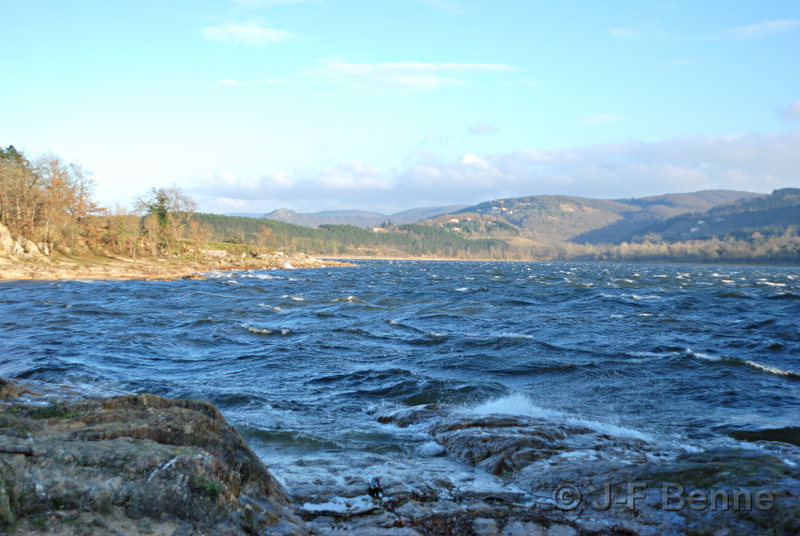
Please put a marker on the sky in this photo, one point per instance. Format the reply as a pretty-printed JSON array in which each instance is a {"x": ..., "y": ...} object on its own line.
[{"x": 386, "y": 105}]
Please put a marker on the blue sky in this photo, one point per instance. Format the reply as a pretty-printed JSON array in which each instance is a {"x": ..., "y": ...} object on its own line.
[{"x": 385, "y": 105}]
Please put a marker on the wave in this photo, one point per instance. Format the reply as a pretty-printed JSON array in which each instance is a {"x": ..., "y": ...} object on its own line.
[
  {"x": 773, "y": 370},
  {"x": 519, "y": 404},
  {"x": 769, "y": 369},
  {"x": 260, "y": 331},
  {"x": 515, "y": 336}
]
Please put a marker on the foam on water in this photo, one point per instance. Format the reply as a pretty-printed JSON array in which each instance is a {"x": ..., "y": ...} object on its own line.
[
  {"x": 772, "y": 370},
  {"x": 701, "y": 355},
  {"x": 341, "y": 505},
  {"x": 515, "y": 336},
  {"x": 519, "y": 404}
]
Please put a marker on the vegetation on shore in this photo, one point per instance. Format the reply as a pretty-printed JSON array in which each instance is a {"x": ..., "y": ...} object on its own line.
[{"x": 48, "y": 206}]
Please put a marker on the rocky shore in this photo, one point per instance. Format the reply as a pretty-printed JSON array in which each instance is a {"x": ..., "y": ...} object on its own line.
[{"x": 78, "y": 461}]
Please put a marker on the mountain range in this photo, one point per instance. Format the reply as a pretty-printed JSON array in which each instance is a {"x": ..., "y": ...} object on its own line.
[{"x": 359, "y": 218}]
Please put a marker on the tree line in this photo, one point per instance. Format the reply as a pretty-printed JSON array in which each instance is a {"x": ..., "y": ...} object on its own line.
[{"x": 51, "y": 202}]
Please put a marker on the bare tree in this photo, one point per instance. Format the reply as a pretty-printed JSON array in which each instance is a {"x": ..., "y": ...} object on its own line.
[
  {"x": 264, "y": 235},
  {"x": 199, "y": 234},
  {"x": 152, "y": 232}
]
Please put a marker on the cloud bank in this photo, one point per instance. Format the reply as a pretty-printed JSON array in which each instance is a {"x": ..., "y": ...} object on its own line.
[{"x": 754, "y": 162}]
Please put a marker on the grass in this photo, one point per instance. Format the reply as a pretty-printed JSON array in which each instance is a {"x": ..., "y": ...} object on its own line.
[
  {"x": 52, "y": 411},
  {"x": 211, "y": 488}
]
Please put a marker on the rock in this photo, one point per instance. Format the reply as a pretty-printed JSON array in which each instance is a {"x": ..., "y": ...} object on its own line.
[
  {"x": 413, "y": 510},
  {"x": 485, "y": 527},
  {"x": 518, "y": 528},
  {"x": 561, "y": 530},
  {"x": 7, "y": 243},
  {"x": 144, "y": 455}
]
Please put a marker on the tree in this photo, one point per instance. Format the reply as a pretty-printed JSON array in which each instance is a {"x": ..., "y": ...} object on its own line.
[
  {"x": 151, "y": 229},
  {"x": 199, "y": 234},
  {"x": 172, "y": 209},
  {"x": 264, "y": 235}
]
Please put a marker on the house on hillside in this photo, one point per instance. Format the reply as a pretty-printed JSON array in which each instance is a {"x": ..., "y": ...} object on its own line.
[{"x": 377, "y": 229}]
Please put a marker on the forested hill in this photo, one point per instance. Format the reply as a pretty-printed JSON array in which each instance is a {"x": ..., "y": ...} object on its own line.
[
  {"x": 393, "y": 240},
  {"x": 753, "y": 229},
  {"x": 768, "y": 215},
  {"x": 559, "y": 218}
]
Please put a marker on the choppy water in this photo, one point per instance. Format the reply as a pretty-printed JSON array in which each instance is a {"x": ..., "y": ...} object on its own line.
[{"x": 301, "y": 360}]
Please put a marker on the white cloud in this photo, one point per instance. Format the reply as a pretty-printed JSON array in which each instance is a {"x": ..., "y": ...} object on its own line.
[
  {"x": 229, "y": 82},
  {"x": 755, "y": 162},
  {"x": 246, "y": 33},
  {"x": 600, "y": 119},
  {"x": 482, "y": 129},
  {"x": 413, "y": 76},
  {"x": 763, "y": 29},
  {"x": 792, "y": 111}
]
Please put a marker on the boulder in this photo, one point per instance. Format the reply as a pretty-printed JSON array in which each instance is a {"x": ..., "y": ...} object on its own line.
[{"x": 142, "y": 456}]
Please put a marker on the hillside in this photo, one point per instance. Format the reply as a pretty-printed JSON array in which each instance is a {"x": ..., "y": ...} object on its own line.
[
  {"x": 766, "y": 215},
  {"x": 359, "y": 218},
  {"x": 552, "y": 219}
]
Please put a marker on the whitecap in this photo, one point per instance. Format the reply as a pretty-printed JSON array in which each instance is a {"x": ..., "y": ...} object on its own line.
[
  {"x": 288, "y": 266},
  {"x": 259, "y": 331},
  {"x": 515, "y": 336},
  {"x": 297, "y": 298},
  {"x": 520, "y": 405},
  {"x": 462, "y": 289},
  {"x": 772, "y": 370},
  {"x": 707, "y": 357},
  {"x": 285, "y": 331}
]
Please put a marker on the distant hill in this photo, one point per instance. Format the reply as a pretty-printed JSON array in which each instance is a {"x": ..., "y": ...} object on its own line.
[
  {"x": 764, "y": 214},
  {"x": 553, "y": 219},
  {"x": 359, "y": 218},
  {"x": 705, "y": 227}
]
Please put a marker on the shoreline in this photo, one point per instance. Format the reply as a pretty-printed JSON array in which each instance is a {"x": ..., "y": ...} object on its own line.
[
  {"x": 175, "y": 467},
  {"x": 123, "y": 269},
  {"x": 633, "y": 262}
]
